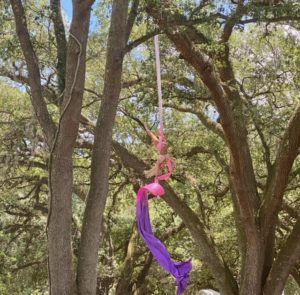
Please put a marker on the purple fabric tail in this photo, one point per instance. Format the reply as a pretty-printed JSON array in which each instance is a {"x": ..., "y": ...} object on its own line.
[{"x": 180, "y": 270}]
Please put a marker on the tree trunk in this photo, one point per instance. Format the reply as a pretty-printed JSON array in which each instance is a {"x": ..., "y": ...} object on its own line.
[
  {"x": 125, "y": 284},
  {"x": 91, "y": 228},
  {"x": 61, "y": 274},
  {"x": 250, "y": 282},
  {"x": 140, "y": 285}
]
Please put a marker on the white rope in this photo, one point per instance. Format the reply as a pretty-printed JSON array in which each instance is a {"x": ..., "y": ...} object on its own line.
[{"x": 158, "y": 77}]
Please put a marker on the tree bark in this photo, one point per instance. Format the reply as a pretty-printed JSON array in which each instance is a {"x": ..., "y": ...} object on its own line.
[{"x": 91, "y": 228}]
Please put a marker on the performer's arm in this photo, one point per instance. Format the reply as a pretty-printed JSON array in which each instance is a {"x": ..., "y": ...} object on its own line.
[{"x": 151, "y": 134}]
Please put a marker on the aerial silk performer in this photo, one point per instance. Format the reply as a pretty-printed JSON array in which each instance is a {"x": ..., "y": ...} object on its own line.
[{"x": 180, "y": 270}]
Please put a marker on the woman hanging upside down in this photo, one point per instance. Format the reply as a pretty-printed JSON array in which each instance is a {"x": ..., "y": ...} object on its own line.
[{"x": 162, "y": 146}]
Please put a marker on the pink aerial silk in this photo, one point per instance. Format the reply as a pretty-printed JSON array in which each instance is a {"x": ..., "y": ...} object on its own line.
[{"x": 180, "y": 270}]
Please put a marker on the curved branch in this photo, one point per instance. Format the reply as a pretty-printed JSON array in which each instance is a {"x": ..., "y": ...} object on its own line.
[
  {"x": 270, "y": 20},
  {"x": 205, "y": 120},
  {"x": 232, "y": 20},
  {"x": 38, "y": 102},
  {"x": 131, "y": 18},
  {"x": 286, "y": 155},
  {"x": 140, "y": 40},
  {"x": 61, "y": 42}
]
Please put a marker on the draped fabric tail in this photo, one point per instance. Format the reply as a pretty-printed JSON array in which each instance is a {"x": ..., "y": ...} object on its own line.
[
  {"x": 183, "y": 269},
  {"x": 180, "y": 270}
]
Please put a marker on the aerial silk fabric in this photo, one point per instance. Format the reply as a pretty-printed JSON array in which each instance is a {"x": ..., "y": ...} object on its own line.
[{"x": 180, "y": 270}]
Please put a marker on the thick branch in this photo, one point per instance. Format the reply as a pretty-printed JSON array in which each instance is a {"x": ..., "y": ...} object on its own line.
[
  {"x": 61, "y": 42},
  {"x": 141, "y": 40},
  {"x": 96, "y": 199},
  {"x": 286, "y": 18},
  {"x": 205, "y": 120},
  {"x": 38, "y": 102},
  {"x": 124, "y": 283},
  {"x": 131, "y": 18},
  {"x": 223, "y": 89},
  {"x": 140, "y": 280},
  {"x": 284, "y": 263},
  {"x": 232, "y": 21},
  {"x": 61, "y": 275},
  {"x": 286, "y": 154}
]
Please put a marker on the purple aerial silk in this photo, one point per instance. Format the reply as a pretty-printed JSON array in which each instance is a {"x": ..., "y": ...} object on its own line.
[{"x": 180, "y": 270}]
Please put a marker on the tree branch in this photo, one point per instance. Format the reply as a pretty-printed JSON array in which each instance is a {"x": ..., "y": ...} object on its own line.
[
  {"x": 284, "y": 263},
  {"x": 131, "y": 18},
  {"x": 61, "y": 42},
  {"x": 199, "y": 7},
  {"x": 124, "y": 283},
  {"x": 269, "y": 20},
  {"x": 261, "y": 136},
  {"x": 205, "y": 120},
  {"x": 29, "y": 264},
  {"x": 48, "y": 93},
  {"x": 232, "y": 20},
  {"x": 223, "y": 89},
  {"x": 286, "y": 155},
  {"x": 96, "y": 199},
  {"x": 140, "y": 40},
  {"x": 38, "y": 102},
  {"x": 61, "y": 275}
]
